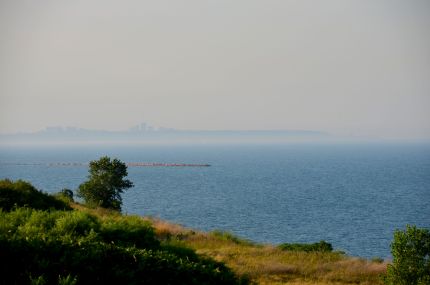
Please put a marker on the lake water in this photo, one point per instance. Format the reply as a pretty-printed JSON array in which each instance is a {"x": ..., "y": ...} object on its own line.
[{"x": 353, "y": 196}]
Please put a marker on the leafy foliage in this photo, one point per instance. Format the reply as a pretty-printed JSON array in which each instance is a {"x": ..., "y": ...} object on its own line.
[
  {"x": 129, "y": 231},
  {"x": 411, "y": 257},
  {"x": 227, "y": 236},
  {"x": 106, "y": 183},
  {"x": 21, "y": 193},
  {"x": 74, "y": 247},
  {"x": 65, "y": 195},
  {"x": 68, "y": 280},
  {"x": 321, "y": 246}
]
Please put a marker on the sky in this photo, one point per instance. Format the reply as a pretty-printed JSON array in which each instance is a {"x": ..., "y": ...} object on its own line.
[{"x": 346, "y": 67}]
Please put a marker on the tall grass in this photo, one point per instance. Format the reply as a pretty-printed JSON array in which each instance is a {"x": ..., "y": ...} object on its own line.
[{"x": 268, "y": 264}]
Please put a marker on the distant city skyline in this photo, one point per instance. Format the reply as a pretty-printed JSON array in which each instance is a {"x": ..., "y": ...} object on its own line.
[
  {"x": 146, "y": 134},
  {"x": 349, "y": 68},
  {"x": 141, "y": 127}
]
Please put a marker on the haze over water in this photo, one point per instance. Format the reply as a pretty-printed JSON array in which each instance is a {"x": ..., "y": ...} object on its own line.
[
  {"x": 352, "y": 195},
  {"x": 332, "y": 70}
]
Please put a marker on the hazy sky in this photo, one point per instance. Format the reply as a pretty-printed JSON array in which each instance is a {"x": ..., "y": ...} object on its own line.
[{"x": 347, "y": 67}]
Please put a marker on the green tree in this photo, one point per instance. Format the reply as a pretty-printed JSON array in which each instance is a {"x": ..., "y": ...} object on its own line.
[
  {"x": 411, "y": 257},
  {"x": 106, "y": 183}
]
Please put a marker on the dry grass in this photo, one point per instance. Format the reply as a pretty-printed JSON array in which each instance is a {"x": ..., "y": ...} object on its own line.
[
  {"x": 266, "y": 264},
  {"x": 166, "y": 231}
]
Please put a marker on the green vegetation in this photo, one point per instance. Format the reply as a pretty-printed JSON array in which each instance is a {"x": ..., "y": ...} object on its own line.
[
  {"x": 227, "y": 236},
  {"x": 23, "y": 194},
  {"x": 66, "y": 195},
  {"x": 84, "y": 246},
  {"x": 411, "y": 257},
  {"x": 321, "y": 246},
  {"x": 267, "y": 264},
  {"x": 50, "y": 239},
  {"x": 105, "y": 184},
  {"x": 57, "y": 243}
]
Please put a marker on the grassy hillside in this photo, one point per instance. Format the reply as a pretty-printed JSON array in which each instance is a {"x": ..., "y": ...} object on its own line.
[
  {"x": 268, "y": 264},
  {"x": 42, "y": 244},
  {"x": 56, "y": 241}
]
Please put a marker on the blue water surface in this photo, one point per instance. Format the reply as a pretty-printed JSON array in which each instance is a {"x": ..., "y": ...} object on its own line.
[{"x": 353, "y": 195}]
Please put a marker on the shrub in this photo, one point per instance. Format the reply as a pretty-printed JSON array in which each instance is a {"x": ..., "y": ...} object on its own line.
[
  {"x": 100, "y": 263},
  {"x": 224, "y": 235},
  {"x": 40, "y": 280},
  {"x": 21, "y": 193},
  {"x": 411, "y": 257},
  {"x": 377, "y": 259},
  {"x": 29, "y": 224},
  {"x": 321, "y": 246},
  {"x": 129, "y": 231},
  {"x": 73, "y": 247},
  {"x": 76, "y": 224},
  {"x": 68, "y": 280},
  {"x": 65, "y": 195}
]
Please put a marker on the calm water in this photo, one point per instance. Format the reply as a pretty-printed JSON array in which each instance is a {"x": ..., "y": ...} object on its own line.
[{"x": 353, "y": 196}]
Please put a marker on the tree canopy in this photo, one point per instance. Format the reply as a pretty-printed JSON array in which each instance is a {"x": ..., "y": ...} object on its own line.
[
  {"x": 411, "y": 257},
  {"x": 105, "y": 183}
]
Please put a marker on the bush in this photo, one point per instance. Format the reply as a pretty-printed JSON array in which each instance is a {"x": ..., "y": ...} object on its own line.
[
  {"x": 129, "y": 231},
  {"x": 224, "y": 235},
  {"x": 411, "y": 257},
  {"x": 65, "y": 195},
  {"x": 76, "y": 224},
  {"x": 377, "y": 259},
  {"x": 47, "y": 226},
  {"x": 68, "y": 280},
  {"x": 59, "y": 247},
  {"x": 23, "y": 194},
  {"x": 321, "y": 246},
  {"x": 100, "y": 263}
]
